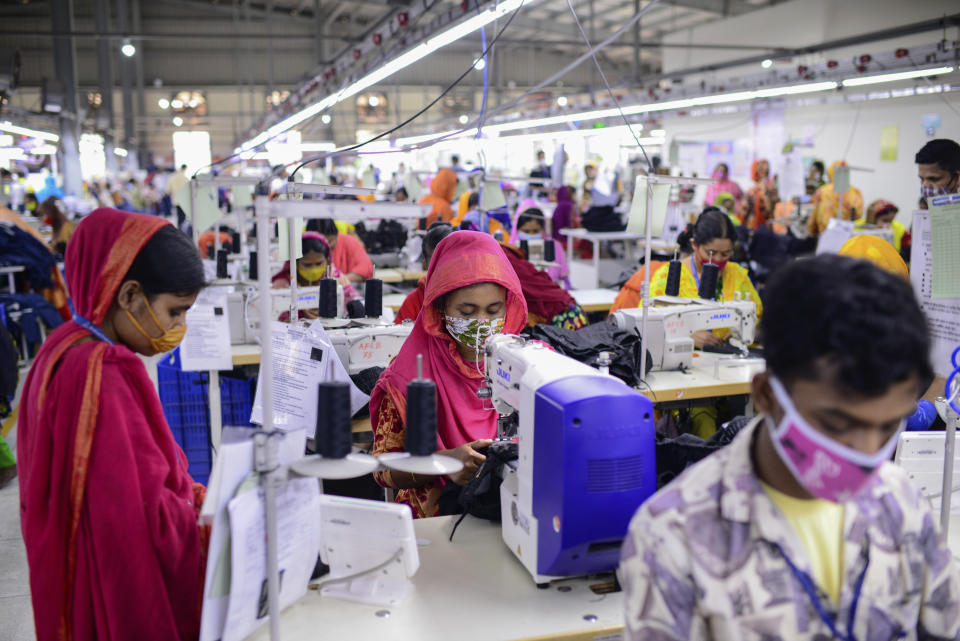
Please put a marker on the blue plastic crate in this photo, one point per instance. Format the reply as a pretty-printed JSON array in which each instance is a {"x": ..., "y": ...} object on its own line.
[{"x": 186, "y": 405}]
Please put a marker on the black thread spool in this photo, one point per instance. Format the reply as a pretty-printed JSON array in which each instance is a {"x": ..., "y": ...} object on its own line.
[
  {"x": 708, "y": 281},
  {"x": 355, "y": 309},
  {"x": 235, "y": 242},
  {"x": 525, "y": 248},
  {"x": 252, "y": 271},
  {"x": 673, "y": 278},
  {"x": 211, "y": 252},
  {"x": 333, "y": 437},
  {"x": 328, "y": 298},
  {"x": 373, "y": 298},
  {"x": 222, "y": 264},
  {"x": 549, "y": 251},
  {"x": 421, "y": 434}
]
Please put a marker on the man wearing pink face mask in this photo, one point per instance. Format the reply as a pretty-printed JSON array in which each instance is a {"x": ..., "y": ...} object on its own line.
[{"x": 800, "y": 528}]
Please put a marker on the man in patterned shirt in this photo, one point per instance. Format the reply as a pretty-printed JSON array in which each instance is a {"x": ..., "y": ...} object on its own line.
[{"x": 799, "y": 529}]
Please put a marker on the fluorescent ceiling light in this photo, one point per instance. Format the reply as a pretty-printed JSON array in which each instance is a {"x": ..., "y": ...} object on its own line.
[
  {"x": 128, "y": 49},
  {"x": 893, "y": 77},
  {"x": 391, "y": 67},
  {"x": 120, "y": 151},
  {"x": 43, "y": 150},
  {"x": 6, "y": 140},
  {"x": 163, "y": 103},
  {"x": 33, "y": 133},
  {"x": 317, "y": 146},
  {"x": 766, "y": 64}
]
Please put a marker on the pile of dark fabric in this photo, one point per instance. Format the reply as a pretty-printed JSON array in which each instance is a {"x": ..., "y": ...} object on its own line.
[
  {"x": 676, "y": 454},
  {"x": 22, "y": 314},
  {"x": 480, "y": 497},
  {"x": 389, "y": 237},
  {"x": 366, "y": 380},
  {"x": 17, "y": 247},
  {"x": 586, "y": 344}
]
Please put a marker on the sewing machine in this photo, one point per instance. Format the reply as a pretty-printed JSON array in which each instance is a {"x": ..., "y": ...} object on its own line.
[
  {"x": 363, "y": 347},
  {"x": 243, "y": 309},
  {"x": 673, "y": 320},
  {"x": 586, "y": 458}
]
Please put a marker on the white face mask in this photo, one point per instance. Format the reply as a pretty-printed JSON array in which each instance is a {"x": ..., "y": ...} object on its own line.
[{"x": 525, "y": 236}]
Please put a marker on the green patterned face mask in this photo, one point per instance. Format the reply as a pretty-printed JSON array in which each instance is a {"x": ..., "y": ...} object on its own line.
[{"x": 473, "y": 332}]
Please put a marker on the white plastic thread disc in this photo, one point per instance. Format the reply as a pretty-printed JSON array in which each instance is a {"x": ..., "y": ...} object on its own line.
[
  {"x": 351, "y": 466},
  {"x": 435, "y": 465}
]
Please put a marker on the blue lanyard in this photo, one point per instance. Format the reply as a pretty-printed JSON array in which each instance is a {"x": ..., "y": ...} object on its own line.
[
  {"x": 90, "y": 327},
  {"x": 807, "y": 583},
  {"x": 693, "y": 270}
]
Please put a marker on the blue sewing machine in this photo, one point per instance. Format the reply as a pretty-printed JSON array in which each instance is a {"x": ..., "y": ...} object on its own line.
[{"x": 586, "y": 458}]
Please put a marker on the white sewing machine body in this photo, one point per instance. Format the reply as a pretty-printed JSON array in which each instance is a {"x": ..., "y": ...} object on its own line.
[
  {"x": 586, "y": 458},
  {"x": 671, "y": 321},
  {"x": 362, "y": 347}
]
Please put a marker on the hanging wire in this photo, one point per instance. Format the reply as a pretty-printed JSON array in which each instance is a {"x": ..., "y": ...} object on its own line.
[{"x": 616, "y": 102}]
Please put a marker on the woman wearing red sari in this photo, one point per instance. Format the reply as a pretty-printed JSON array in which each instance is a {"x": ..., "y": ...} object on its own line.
[
  {"x": 471, "y": 291},
  {"x": 108, "y": 510}
]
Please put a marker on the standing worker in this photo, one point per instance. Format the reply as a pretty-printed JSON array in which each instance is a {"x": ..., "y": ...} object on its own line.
[{"x": 108, "y": 509}]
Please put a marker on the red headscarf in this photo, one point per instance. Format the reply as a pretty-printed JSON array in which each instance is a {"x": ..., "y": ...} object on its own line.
[
  {"x": 106, "y": 503},
  {"x": 461, "y": 259}
]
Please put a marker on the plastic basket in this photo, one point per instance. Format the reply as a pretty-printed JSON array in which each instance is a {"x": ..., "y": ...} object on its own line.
[{"x": 186, "y": 405}]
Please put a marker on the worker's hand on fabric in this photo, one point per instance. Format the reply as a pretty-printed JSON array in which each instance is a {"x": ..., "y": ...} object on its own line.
[
  {"x": 705, "y": 337},
  {"x": 343, "y": 280},
  {"x": 471, "y": 458},
  {"x": 311, "y": 314}
]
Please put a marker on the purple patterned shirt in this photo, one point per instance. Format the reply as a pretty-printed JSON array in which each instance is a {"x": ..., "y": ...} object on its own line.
[{"x": 702, "y": 560}]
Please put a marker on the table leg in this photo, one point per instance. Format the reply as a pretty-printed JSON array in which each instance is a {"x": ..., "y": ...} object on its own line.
[
  {"x": 596, "y": 263},
  {"x": 216, "y": 419},
  {"x": 11, "y": 283}
]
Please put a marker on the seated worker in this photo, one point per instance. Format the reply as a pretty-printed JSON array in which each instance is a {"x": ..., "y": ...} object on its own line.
[
  {"x": 207, "y": 239},
  {"x": 442, "y": 188},
  {"x": 473, "y": 221},
  {"x": 412, "y": 304},
  {"x": 801, "y": 528},
  {"x": 347, "y": 252},
  {"x": 827, "y": 204},
  {"x": 108, "y": 509},
  {"x": 710, "y": 239},
  {"x": 631, "y": 294},
  {"x": 546, "y": 301},
  {"x": 62, "y": 226},
  {"x": 529, "y": 225},
  {"x": 312, "y": 267},
  {"x": 726, "y": 202},
  {"x": 471, "y": 294},
  {"x": 882, "y": 214}
]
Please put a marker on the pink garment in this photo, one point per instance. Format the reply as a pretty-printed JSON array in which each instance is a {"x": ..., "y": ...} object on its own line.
[
  {"x": 721, "y": 186},
  {"x": 559, "y": 274},
  {"x": 461, "y": 259}
]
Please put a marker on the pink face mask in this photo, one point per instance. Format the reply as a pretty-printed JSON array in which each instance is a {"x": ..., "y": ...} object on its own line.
[{"x": 825, "y": 468}]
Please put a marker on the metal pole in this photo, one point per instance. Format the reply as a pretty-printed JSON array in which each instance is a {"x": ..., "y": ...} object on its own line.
[
  {"x": 65, "y": 64},
  {"x": 293, "y": 239},
  {"x": 141, "y": 155},
  {"x": 646, "y": 281},
  {"x": 125, "y": 83},
  {"x": 950, "y": 437},
  {"x": 105, "y": 80},
  {"x": 266, "y": 386},
  {"x": 193, "y": 212}
]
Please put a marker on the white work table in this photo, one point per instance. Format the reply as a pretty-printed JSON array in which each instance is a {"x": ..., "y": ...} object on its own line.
[
  {"x": 589, "y": 274},
  {"x": 594, "y": 300},
  {"x": 712, "y": 375},
  {"x": 469, "y": 589}
]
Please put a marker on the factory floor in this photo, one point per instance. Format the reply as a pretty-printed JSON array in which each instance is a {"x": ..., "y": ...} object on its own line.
[{"x": 16, "y": 614}]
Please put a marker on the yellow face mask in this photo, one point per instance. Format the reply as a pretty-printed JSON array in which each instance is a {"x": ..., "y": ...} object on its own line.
[
  {"x": 311, "y": 275},
  {"x": 168, "y": 340}
]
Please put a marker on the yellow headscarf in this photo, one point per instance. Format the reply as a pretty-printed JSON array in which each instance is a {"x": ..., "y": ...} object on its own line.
[{"x": 877, "y": 251}]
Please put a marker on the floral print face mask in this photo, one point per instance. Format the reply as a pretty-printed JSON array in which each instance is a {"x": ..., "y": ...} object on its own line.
[{"x": 473, "y": 332}]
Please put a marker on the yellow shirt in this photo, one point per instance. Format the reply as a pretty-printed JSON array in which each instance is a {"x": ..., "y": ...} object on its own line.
[{"x": 819, "y": 526}]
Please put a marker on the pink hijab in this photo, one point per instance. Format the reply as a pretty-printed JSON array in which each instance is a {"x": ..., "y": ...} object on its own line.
[{"x": 461, "y": 259}]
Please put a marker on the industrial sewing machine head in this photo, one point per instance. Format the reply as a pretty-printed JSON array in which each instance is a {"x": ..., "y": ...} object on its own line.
[
  {"x": 586, "y": 458},
  {"x": 672, "y": 321}
]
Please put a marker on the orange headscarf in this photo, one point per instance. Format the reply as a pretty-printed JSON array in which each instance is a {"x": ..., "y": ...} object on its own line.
[{"x": 442, "y": 188}]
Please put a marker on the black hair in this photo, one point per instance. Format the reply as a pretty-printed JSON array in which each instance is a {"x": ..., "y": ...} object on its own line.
[
  {"x": 861, "y": 322},
  {"x": 455, "y": 159},
  {"x": 943, "y": 152},
  {"x": 402, "y": 190},
  {"x": 324, "y": 226},
  {"x": 473, "y": 200},
  {"x": 168, "y": 264},
  {"x": 32, "y": 196},
  {"x": 315, "y": 245},
  {"x": 818, "y": 164},
  {"x": 724, "y": 165},
  {"x": 712, "y": 224},
  {"x": 531, "y": 214},
  {"x": 437, "y": 232},
  {"x": 540, "y": 152}
]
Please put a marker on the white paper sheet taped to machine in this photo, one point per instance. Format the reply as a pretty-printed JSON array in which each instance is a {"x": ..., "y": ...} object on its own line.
[
  {"x": 943, "y": 314},
  {"x": 638, "y": 208},
  {"x": 206, "y": 345},
  {"x": 302, "y": 358}
]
